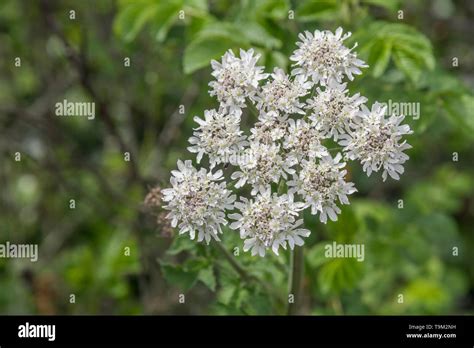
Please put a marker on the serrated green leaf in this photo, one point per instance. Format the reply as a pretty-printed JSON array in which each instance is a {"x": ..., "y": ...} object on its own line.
[
  {"x": 380, "y": 57},
  {"x": 407, "y": 65},
  {"x": 411, "y": 50}
]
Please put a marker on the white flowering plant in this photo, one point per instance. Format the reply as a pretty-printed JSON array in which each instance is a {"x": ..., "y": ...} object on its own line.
[{"x": 294, "y": 157}]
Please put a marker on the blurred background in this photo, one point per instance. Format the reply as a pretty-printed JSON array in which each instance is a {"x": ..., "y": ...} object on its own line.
[{"x": 145, "y": 65}]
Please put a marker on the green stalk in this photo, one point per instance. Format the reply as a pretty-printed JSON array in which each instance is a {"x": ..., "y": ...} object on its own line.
[
  {"x": 233, "y": 262},
  {"x": 296, "y": 279},
  {"x": 246, "y": 276}
]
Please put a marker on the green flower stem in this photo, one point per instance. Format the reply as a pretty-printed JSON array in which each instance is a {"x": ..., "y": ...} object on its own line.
[
  {"x": 296, "y": 279},
  {"x": 233, "y": 262}
]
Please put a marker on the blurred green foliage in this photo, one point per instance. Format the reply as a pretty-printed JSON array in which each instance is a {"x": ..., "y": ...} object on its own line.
[{"x": 408, "y": 243}]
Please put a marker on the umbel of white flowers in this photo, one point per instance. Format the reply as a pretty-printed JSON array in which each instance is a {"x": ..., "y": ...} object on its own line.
[{"x": 297, "y": 115}]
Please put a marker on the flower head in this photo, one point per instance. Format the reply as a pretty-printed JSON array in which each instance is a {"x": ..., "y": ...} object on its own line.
[
  {"x": 197, "y": 202},
  {"x": 270, "y": 127},
  {"x": 321, "y": 184},
  {"x": 262, "y": 165},
  {"x": 376, "y": 142},
  {"x": 236, "y": 78},
  {"x": 333, "y": 110},
  {"x": 304, "y": 140},
  {"x": 269, "y": 221},
  {"x": 218, "y": 135},
  {"x": 287, "y": 147},
  {"x": 323, "y": 57},
  {"x": 282, "y": 94}
]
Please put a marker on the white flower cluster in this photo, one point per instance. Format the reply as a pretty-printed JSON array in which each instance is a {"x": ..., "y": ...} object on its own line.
[
  {"x": 269, "y": 221},
  {"x": 285, "y": 160},
  {"x": 197, "y": 201}
]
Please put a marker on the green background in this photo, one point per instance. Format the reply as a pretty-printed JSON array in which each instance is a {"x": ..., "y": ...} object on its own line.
[{"x": 82, "y": 251}]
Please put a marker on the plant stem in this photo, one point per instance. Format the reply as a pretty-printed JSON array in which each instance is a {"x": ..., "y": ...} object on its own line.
[
  {"x": 296, "y": 278},
  {"x": 233, "y": 262},
  {"x": 247, "y": 276}
]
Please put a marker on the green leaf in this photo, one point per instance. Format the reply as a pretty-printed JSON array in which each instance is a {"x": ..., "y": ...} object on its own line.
[
  {"x": 380, "y": 57},
  {"x": 197, "y": 4},
  {"x": 211, "y": 43},
  {"x": 179, "y": 276},
  {"x": 278, "y": 59},
  {"x": 460, "y": 109},
  {"x": 425, "y": 295},
  {"x": 338, "y": 275},
  {"x": 256, "y": 34},
  {"x": 316, "y": 255},
  {"x": 200, "y": 52},
  {"x": 184, "y": 275},
  {"x": 407, "y": 65},
  {"x": 391, "y": 5},
  {"x": 264, "y": 9},
  {"x": 215, "y": 28},
  {"x": 181, "y": 244},
  {"x": 258, "y": 304},
  {"x": 411, "y": 50},
  {"x": 440, "y": 231},
  {"x": 441, "y": 82},
  {"x": 344, "y": 229},
  {"x": 166, "y": 16},
  {"x": 208, "y": 277},
  {"x": 132, "y": 18},
  {"x": 275, "y": 9},
  {"x": 226, "y": 293},
  {"x": 311, "y": 10}
]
